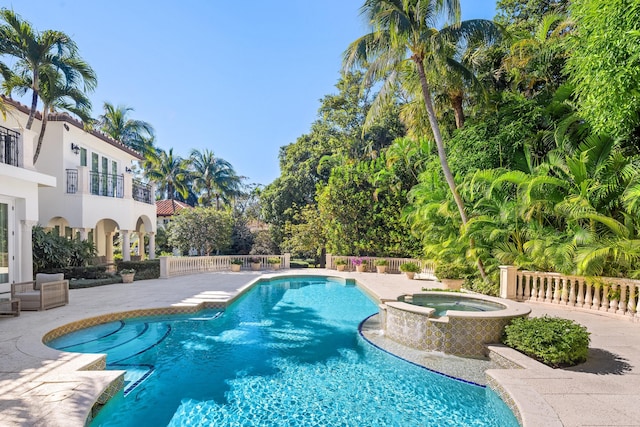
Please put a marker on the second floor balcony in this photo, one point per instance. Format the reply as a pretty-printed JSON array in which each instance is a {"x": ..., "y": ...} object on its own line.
[
  {"x": 9, "y": 146},
  {"x": 84, "y": 181}
]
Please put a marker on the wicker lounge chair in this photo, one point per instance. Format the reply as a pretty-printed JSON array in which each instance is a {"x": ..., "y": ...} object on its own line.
[{"x": 47, "y": 291}]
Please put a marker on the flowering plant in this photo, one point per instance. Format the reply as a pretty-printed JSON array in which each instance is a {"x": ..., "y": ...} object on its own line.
[{"x": 356, "y": 261}]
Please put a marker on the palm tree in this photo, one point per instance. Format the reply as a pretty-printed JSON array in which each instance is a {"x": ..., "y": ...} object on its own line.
[
  {"x": 535, "y": 61},
  {"x": 403, "y": 33},
  {"x": 214, "y": 177},
  {"x": 168, "y": 171},
  {"x": 116, "y": 123},
  {"x": 55, "y": 94},
  {"x": 36, "y": 52}
]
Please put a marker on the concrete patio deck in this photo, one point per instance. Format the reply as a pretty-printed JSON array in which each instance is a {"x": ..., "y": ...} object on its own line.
[{"x": 40, "y": 386}]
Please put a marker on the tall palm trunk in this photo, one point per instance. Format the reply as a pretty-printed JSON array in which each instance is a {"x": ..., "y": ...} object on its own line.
[
  {"x": 45, "y": 120},
  {"x": 34, "y": 106},
  {"x": 442, "y": 155},
  {"x": 458, "y": 112}
]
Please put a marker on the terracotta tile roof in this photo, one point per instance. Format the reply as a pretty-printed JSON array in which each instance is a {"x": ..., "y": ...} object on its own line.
[
  {"x": 64, "y": 117},
  {"x": 169, "y": 207}
]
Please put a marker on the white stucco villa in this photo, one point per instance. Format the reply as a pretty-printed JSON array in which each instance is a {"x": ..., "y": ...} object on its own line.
[{"x": 81, "y": 185}]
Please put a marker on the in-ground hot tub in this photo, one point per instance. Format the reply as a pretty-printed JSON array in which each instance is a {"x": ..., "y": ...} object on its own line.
[{"x": 454, "y": 323}]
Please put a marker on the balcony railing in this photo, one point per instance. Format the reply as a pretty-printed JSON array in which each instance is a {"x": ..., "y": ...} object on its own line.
[
  {"x": 142, "y": 192},
  {"x": 9, "y": 146},
  {"x": 72, "y": 181},
  {"x": 106, "y": 184}
]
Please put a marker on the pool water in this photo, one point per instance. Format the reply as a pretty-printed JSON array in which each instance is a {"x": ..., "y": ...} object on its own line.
[
  {"x": 287, "y": 353},
  {"x": 442, "y": 303}
]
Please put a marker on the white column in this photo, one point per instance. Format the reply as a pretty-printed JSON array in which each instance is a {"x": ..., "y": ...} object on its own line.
[
  {"x": 25, "y": 271},
  {"x": 84, "y": 233},
  {"x": 108, "y": 247},
  {"x": 152, "y": 245},
  {"x": 126, "y": 245},
  {"x": 141, "y": 244}
]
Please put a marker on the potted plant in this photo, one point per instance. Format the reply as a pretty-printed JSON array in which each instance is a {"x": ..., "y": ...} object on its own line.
[
  {"x": 410, "y": 269},
  {"x": 255, "y": 263},
  {"x": 341, "y": 264},
  {"x": 451, "y": 274},
  {"x": 381, "y": 265},
  {"x": 274, "y": 263},
  {"x": 127, "y": 275},
  {"x": 359, "y": 265},
  {"x": 236, "y": 264}
]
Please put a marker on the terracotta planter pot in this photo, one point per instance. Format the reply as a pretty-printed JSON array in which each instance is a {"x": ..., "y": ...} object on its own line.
[
  {"x": 275, "y": 266},
  {"x": 235, "y": 267},
  {"x": 127, "y": 277},
  {"x": 340, "y": 267},
  {"x": 381, "y": 268},
  {"x": 410, "y": 274},
  {"x": 453, "y": 284},
  {"x": 361, "y": 268},
  {"x": 255, "y": 266}
]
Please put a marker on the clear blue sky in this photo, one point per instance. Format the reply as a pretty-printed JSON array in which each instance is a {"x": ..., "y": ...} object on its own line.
[{"x": 239, "y": 78}]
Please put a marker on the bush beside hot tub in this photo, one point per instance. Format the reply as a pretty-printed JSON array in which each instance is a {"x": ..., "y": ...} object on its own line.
[{"x": 460, "y": 333}]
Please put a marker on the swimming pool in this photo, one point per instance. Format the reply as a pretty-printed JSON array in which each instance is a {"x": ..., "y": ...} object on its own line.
[{"x": 287, "y": 353}]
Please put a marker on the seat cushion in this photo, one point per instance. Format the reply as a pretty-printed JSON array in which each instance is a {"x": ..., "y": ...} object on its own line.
[
  {"x": 47, "y": 277},
  {"x": 29, "y": 296}
]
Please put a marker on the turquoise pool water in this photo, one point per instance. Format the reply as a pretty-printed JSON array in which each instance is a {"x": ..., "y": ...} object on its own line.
[
  {"x": 286, "y": 354},
  {"x": 444, "y": 303}
]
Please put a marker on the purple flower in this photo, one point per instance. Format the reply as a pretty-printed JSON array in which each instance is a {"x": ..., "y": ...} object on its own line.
[{"x": 356, "y": 261}]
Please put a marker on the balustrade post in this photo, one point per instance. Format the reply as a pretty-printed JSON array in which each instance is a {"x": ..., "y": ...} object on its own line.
[
  {"x": 587, "y": 295},
  {"x": 557, "y": 289},
  {"x": 580, "y": 296},
  {"x": 564, "y": 298},
  {"x": 527, "y": 287},
  {"x": 508, "y": 282},
  {"x": 548, "y": 296},
  {"x": 540, "y": 281},
  {"x": 595, "y": 301},
  {"x": 571, "y": 284},
  {"x": 613, "y": 299},
  {"x": 604, "y": 306},
  {"x": 631, "y": 305},
  {"x": 622, "y": 301},
  {"x": 164, "y": 267}
]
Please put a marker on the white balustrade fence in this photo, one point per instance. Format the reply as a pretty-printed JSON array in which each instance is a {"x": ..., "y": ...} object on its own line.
[
  {"x": 180, "y": 266},
  {"x": 611, "y": 295},
  {"x": 393, "y": 264}
]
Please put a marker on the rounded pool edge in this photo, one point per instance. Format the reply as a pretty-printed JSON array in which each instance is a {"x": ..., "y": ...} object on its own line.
[
  {"x": 511, "y": 308},
  {"x": 460, "y": 333}
]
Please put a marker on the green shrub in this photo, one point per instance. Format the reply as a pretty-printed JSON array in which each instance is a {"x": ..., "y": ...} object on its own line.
[
  {"x": 453, "y": 270},
  {"x": 341, "y": 261},
  {"x": 149, "y": 269},
  {"x": 89, "y": 272},
  {"x": 381, "y": 262},
  {"x": 553, "y": 341},
  {"x": 296, "y": 263},
  {"x": 410, "y": 267},
  {"x": 90, "y": 283}
]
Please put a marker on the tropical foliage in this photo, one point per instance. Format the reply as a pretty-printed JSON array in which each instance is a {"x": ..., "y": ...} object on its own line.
[
  {"x": 519, "y": 147},
  {"x": 204, "y": 231},
  {"x": 47, "y": 64}
]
